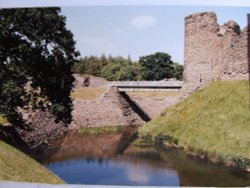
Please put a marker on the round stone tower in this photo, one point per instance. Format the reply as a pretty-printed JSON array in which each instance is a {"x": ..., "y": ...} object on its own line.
[{"x": 202, "y": 48}]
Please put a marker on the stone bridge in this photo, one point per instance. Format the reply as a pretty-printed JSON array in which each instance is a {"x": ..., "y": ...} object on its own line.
[
  {"x": 147, "y": 85},
  {"x": 118, "y": 106}
]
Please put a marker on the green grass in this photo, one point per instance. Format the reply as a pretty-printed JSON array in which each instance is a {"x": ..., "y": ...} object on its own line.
[
  {"x": 216, "y": 119},
  {"x": 100, "y": 130},
  {"x": 88, "y": 93},
  {"x": 2, "y": 120},
  {"x": 17, "y": 166},
  {"x": 154, "y": 94}
]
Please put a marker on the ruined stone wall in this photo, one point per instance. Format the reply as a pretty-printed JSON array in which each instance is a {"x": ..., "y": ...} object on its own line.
[
  {"x": 201, "y": 46},
  {"x": 214, "y": 52},
  {"x": 94, "y": 81},
  {"x": 109, "y": 110},
  {"x": 42, "y": 130},
  {"x": 234, "y": 52}
]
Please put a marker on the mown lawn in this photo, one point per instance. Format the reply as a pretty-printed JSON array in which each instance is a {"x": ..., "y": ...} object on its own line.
[
  {"x": 216, "y": 119},
  {"x": 17, "y": 166}
]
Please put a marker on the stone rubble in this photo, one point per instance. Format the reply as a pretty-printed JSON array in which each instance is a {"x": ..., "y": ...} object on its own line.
[
  {"x": 42, "y": 129},
  {"x": 109, "y": 110}
]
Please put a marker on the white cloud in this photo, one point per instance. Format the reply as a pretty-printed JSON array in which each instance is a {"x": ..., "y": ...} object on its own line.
[
  {"x": 143, "y": 22},
  {"x": 137, "y": 175}
]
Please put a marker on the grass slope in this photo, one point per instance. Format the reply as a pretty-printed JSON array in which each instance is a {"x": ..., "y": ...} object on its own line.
[
  {"x": 100, "y": 130},
  {"x": 154, "y": 94},
  {"x": 88, "y": 93},
  {"x": 2, "y": 120},
  {"x": 16, "y": 166},
  {"x": 216, "y": 119}
]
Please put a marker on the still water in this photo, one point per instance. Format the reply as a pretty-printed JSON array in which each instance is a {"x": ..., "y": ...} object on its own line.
[
  {"x": 113, "y": 171},
  {"x": 82, "y": 159}
]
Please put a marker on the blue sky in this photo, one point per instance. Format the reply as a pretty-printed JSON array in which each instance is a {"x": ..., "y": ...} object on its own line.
[
  {"x": 138, "y": 30},
  {"x": 135, "y": 27}
]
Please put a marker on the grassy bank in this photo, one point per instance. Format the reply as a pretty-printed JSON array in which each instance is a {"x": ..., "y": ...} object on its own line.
[
  {"x": 88, "y": 93},
  {"x": 2, "y": 120},
  {"x": 154, "y": 94},
  {"x": 16, "y": 166},
  {"x": 215, "y": 120},
  {"x": 100, "y": 130}
]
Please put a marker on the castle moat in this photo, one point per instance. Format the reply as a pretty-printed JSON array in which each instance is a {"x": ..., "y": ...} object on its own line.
[{"x": 102, "y": 160}]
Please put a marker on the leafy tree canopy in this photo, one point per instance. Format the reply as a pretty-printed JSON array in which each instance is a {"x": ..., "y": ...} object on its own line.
[
  {"x": 36, "y": 55},
  {"x": 152, "y": 67},
  {"x": 110, "y": 70},
  {"x": 119, "y": 68},
  {"x": 178, "y": 71},
  {"x": 156, "y": 66}
]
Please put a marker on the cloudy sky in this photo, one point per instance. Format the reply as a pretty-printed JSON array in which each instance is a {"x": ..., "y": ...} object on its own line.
[
  {"x": 137, "y": 30},
  {"x": 135, "y": 27}
]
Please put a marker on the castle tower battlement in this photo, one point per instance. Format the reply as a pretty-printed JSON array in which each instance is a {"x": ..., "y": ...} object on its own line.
[{"x": 214, "y": 52}]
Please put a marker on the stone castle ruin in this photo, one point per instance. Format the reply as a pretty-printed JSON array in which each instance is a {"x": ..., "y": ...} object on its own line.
[{"x": 213, "y": 51}]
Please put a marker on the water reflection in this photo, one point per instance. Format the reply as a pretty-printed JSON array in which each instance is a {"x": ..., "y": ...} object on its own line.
[
  {"x": 113, "y": 171},
  {"x": 81, "y": 159},
  {"x": 197, "y": 173}
]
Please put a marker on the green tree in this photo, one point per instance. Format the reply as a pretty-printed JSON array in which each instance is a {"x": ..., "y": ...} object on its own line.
[
  {"x": 93, "y": 65},
  {"x": 79, "y": 67},
  {"x": 138, "y": 69},
  {"x": 120, "y": 68},
  {"x": 35, "y": 48},
  {"x": 111, "y": 68},
  {"x": 156, "y": 66},
  {"x": 178, "y": 71},
  {"x": 109, "y": 72},
  {"x": 129, "y": 72},
  {"x": 103, "y": 60}
]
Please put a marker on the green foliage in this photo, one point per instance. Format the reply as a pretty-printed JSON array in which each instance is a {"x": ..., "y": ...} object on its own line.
[
  {"x": 35, "y": 46},
  {"x": 152, "y": 67},
  {"x": 121, "y": 71},
  {"x": 79, "y": 67},
  {"x": 157, "y": 66},
  {"x": 178, "y": 71},
  {"x": 143, "y": 142},
  {"x": 215, "y": 119},
  {"x": 91, "y": 65},
  {"x": 101, "y": 130},
  {"x": 12, "y": 90},
  {"x": 2, "y": 120},
  {"x": 110, "y": 70},
  {"x": 129, "y": 72}
]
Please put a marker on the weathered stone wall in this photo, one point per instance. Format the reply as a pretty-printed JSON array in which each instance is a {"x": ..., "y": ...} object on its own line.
[
  {"x": 109, "y": 110},
  {"x": 234, "y": 52},
  {"x": 201, "y": 44},
  {"x": 94, "y": 81},
  {"x": 39, "y": 131},
  {"x": 154, "y": 106},
  {"x": 214, "y": 52}
]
